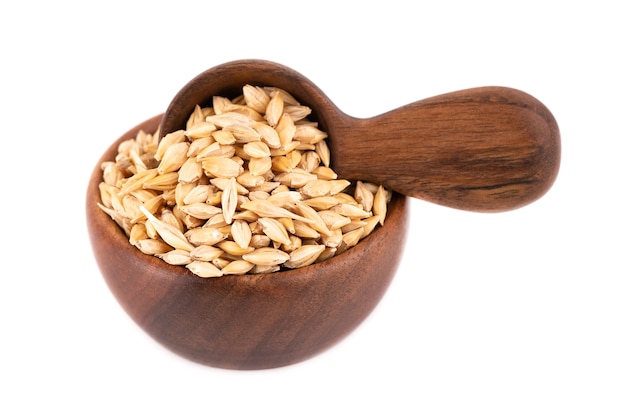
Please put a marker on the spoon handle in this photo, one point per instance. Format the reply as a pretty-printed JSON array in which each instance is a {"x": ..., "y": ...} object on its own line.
[{"x": 486, "y": 149}]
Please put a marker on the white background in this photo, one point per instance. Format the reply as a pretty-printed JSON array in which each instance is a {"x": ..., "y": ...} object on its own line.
[{"x": 520, "y": 314}]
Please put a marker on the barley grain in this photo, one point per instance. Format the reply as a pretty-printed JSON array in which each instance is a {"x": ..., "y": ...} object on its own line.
[
  {"x": 288, "y": 224},
  {"x": 229, "y": 200},
  {"x": 308, "y": 134},
  {"x": 198, "y": 145},
  {"x": 204, "y": 269},
  {"x": 332, "y": 219},
  {"x": 167, "y": 141},
  {"x": 169, "y": 217},
  {"x": 196, "y": 117},
  {"x": 176, "y": 257},
  {"x": 351, "y": 211},
  {"x": 229, "y": 119},
  {"x": 264, "y": 269},
  {"x": 216, "y": 221},
  {"x": 353, "y": 237},
  {"x": 137, "y": 181},
  {"x": 246, "y": 215},
  {"x": 200, "y": 130},
  {"x": 274, "y": 109},
  {"x": 380, "y": 204},
  {"x": 221, "y": 184},
  {"x": 137, "y": 233},
  {"x": 275, "y": 230},
  {"x": 296, "y": 178},
  {"x": 264, "y": 208},
  {"x": 257, "y": 149},
  {"x": 197, "y": 194},
  {"x": 190, "y": 171},
  {"x": 224, "y": 137},
  {"x": 256, "y": 98},
  {"x": 220, "y": 104},
  {"x": 169, "y": 233},
  {"x": 297, "y": 112},
  {"x": 246, "y": 187},
  {"x": 260, "y": 166},
  {"x": 152, "y": 246},
  {"x": 201, "y": 210},
  {"x": 266, "y": 256},
  {"x": 322, "y": 202},
  {"x": 221, "y": 262},
  {"x": 111, "y": 173},
  {"x": 162, "y": 182},
  {"x": 354, "y": 224},
  {"x": 241, "y": 233},
  {"x": 316, "y": 221},
  {"x": 237, "y": 267},
  {"x": 260, "y": 240},
  {"x": 215, "y": 149},
  {"x": 205, "y": 253},
  {"x": 316, "y": 188},
  {"x": 334, "y": 239},
  {"x": 268, "y": 134},
  {"x": 324, "y": 152},
  {"x": 370, "y": 224},
  {"x": 327, "y": 253},
  {"x": 346, "y": 198},
  {"x": 295, "y": 242},
  {"x": 221, "y": 167},
  {"x": 284, "y": 198},
  {"x": 324, "y": 173},
  {"x": 286, "y": 129},
  {"x": 204, "y": 236},
  {"x": 232, "y": 248},
  {"x": 364, "y": 196},
  {"x": 243, "y": 133},
  {"x": 304, "y": 256}
]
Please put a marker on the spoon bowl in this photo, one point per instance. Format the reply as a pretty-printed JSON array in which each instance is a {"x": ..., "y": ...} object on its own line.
[{"x": 486, "y": 149}]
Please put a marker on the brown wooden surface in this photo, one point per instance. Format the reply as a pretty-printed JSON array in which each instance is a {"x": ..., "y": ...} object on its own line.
[
  {"x": 485, "y": 149},
  {"x": 251, "y": 321}
]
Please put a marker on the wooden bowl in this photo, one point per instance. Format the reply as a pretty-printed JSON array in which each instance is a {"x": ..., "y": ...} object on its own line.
[{"x": 254, "y": 321}]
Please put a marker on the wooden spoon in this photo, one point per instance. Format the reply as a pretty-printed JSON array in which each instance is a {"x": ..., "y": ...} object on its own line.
[{"x": 486, "y": 149}]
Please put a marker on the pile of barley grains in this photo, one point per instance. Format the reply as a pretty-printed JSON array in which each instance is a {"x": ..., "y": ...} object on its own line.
[{"x": 246, "y": 187}]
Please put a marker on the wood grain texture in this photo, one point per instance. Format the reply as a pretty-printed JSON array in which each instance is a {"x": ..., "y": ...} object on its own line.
[
  {"x": 485, "y": 149},
  {"x": 250, "y": 321}
]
